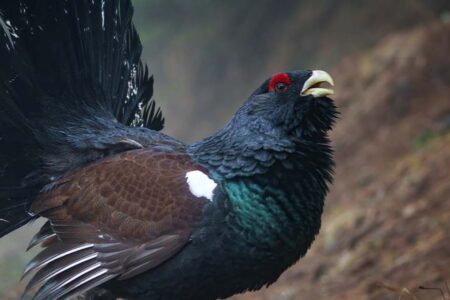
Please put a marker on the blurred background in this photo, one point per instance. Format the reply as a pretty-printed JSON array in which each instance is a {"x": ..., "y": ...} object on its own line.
[{"x": 386, "y": 228}]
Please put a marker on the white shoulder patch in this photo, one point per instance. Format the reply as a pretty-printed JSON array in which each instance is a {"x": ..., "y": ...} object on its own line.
[{"x": 200, "y": 184}]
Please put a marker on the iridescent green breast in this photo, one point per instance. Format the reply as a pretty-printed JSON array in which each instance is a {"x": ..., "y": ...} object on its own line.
[{"x": 280, "y": 210}]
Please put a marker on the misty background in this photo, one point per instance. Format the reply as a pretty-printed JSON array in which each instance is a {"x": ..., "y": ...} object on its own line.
[{"x": 386, "y": 228}]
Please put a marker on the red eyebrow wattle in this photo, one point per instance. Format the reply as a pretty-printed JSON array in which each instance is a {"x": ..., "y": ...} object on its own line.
[{"x": 277, "y": 78}]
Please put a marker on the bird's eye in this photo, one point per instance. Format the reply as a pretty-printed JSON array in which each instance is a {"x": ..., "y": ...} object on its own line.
[
  {"x": 281, "y": 87},
  {"x": 279, "y": 82}
]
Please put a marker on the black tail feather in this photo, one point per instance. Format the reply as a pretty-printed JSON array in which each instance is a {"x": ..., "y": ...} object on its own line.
[{"x": 69, "y": 70}]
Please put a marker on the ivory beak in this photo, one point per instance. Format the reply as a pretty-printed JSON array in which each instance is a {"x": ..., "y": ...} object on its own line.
[{"x": 312, "y": 85}]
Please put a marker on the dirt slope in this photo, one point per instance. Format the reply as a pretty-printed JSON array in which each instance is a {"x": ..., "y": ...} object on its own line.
[{"x": 387, "y": 221}]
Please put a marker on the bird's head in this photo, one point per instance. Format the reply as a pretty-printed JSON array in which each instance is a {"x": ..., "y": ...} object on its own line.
[
  {"x": 287, "y": 112},
  {"x": 293, "y": 103}
]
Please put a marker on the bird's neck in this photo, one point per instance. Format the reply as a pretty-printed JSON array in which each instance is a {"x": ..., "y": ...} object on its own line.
[
  {"x": 280, "y": 209},
  {"x": 275, "y": 194}
]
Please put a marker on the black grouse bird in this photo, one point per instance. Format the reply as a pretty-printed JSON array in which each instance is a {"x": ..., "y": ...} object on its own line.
[{"x": 133, "y": 213}]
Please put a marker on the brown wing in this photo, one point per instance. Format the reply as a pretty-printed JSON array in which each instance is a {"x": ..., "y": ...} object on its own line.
[{"x": 113, "y": 219}]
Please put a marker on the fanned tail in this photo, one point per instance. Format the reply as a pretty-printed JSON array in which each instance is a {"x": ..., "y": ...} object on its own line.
[{"x": 71, "y": 78}]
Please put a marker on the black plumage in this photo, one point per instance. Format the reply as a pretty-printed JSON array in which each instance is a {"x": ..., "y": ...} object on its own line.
[
  {"x": 133, "y": 213},
  {"x": 71, "y": 77}
]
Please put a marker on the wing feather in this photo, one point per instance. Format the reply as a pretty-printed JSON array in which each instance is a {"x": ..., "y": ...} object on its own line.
[
  {"x": 45, "y": 234},
  {"x": 58, "y": 266},
  {"x": 114, "y": 219},
  {"x": 71, "y": 281},
  {"x": 53, "y": 253}
]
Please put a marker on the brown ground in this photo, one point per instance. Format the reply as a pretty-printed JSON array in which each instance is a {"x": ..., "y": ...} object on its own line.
[{"x": 386, "y": 229}]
